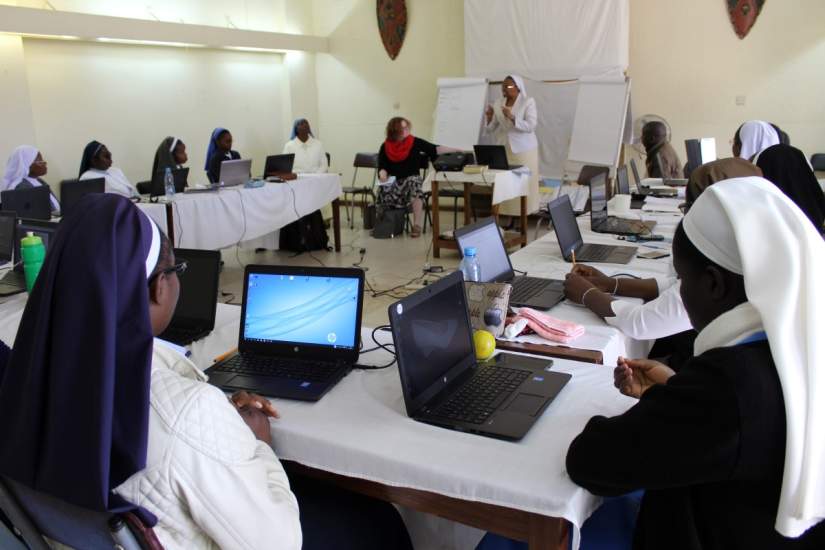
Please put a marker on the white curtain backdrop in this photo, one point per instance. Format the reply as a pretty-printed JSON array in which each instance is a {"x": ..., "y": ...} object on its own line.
[{"x": 546, "y": 40}]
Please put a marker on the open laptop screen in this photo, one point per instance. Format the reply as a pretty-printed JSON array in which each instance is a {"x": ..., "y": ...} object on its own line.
[
  {"x": 491, "y": 254},
  {"x": 198, "y": 288},
  {"x": 622, "y": 182},
  {"x": 7, "y": 221},
  {"x": 598, "y": 199},
  {"x": 302, "y": 309},
  {"x": 565, "y": 226},
  {"x": 437, "y": 336}
]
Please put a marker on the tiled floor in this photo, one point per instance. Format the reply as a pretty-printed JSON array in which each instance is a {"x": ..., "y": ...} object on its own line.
[{"x": 389, "y": 263}]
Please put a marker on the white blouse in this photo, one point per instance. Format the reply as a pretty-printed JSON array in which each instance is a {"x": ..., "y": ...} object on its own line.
[
  {"x": 658, "y": 318},
  {"x": 310, "y": 156},
  {"x": 116, "y": 181},
  {"x": 519, "y": 134}
]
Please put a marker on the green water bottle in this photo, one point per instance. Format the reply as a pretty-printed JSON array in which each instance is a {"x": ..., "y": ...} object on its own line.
[{"x": 33, "y": 252}]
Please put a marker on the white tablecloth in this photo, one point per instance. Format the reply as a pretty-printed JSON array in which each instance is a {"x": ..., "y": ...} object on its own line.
[
  {"x": 506, "y": 184},
  {"x": 542, "y": 258},
  {"x": 230, "y": 216}
]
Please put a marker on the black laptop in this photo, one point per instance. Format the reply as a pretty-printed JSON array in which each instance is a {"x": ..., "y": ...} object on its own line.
[
  {"x": 494, "y": 157},
  {"x": 570, "y": 238},
  {"x": 14, "y": 281},
  {"x": 495, "y": 265},
  {"x": 623, "y": 188},
  {"x": 194, "y": 315},
  {"x": 601, "y": 222},
  {"x": 299, "y": 332},
  {"x": 279, "y": 164},
  {"x": 71, "y": 191},
  {"x": 158, "y": 185},
  {"x": 441, "y": 380},
  {"x": 33, "y": 203}
]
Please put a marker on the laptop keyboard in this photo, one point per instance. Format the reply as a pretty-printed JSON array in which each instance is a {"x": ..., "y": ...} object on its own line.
[
  {"x": 597, "y": 251},
  {"x": 525, "y": 288},
  {"x": 257, "y": 365},
  {"x": 479, "y": 398}
]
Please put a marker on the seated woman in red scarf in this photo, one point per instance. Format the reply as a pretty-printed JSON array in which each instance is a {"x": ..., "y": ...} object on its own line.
[{"x": 400, "y": 158}]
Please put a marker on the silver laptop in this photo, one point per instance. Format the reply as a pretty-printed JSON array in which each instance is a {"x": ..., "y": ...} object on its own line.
[
  {"x": 601, "y": 222},
  {"x": 235, "y": 172},
  {"x": 495, "y": 264}
]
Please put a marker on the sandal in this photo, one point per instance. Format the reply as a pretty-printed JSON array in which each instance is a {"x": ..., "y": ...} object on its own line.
[{"x": 416, "y": 231}]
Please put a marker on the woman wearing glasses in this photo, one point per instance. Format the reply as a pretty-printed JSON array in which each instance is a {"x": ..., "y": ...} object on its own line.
[
  {"x": 512, "y": 120},
  {"x": 24, "y": 170}
]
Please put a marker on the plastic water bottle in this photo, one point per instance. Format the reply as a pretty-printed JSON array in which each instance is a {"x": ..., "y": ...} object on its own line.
[
  {"x": 469, "y": 265},
  {"x": 169, "y": 185},
  {"x": 32, "y": 252}
]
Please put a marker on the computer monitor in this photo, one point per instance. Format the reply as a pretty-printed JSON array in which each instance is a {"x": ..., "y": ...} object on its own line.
[{"x": 7, "y": 233}]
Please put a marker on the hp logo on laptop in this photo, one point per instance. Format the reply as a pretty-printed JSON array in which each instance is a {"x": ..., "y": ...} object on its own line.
[{"x": 295, "y": 349}]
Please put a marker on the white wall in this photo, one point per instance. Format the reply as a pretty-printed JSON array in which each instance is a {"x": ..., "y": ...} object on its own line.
[
  {"x": 688, "y": 65},
  {"x": 360, "y": 88},
  {"x": 15, "y": 109},
  {"x": 131, "y": 97}
]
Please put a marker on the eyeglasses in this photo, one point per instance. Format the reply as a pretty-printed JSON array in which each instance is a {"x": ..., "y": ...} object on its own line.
[
  {"x": 508, "y": 86},
  {"x": 177, "y": 268}
]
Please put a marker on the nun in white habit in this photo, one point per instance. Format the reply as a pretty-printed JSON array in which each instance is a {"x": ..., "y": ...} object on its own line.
[
  {"x": 752, "y": 138},
  {"x": 24, "y": 169},
  {"x": 512, "y": 120},
  {"x": 729, "y": 450},
  {"x": 97, "y": 163}
]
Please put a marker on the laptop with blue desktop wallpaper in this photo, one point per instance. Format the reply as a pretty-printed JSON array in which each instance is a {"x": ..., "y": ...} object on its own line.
[{"x": 299, "y": 332}]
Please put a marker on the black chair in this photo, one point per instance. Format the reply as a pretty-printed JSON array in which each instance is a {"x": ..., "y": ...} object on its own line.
[
  {"x": 362, "y": 160},
  {"x": 818, "y": 162}
]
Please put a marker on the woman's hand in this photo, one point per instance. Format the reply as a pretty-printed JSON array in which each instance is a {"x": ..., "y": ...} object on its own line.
[
  {"x": 382, "y": 175},
  {"x": 633, "y": 377},
  {"x": 596, "y": 277},
  {"x": 488, "y": 112},
  {"x": 258, "y": 422},
  {"x": 243, "y": 399},
  {"x": 575, "y": 286},
  {"x": 508, "y": 113}
]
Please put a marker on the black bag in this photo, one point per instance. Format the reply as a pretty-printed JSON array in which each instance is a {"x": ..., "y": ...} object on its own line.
[
  {"x": 307, "y": 233},
  {"x": 390, "y": 223},
  {"x": 453, "y": 162},
  {"x": 369, "y": 217}
]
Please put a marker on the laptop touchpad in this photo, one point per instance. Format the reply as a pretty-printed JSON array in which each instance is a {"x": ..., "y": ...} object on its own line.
[{"x": 526, "y": 403}]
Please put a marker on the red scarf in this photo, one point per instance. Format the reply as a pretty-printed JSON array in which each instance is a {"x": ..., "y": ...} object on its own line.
[{"x": 398, "y": 151}]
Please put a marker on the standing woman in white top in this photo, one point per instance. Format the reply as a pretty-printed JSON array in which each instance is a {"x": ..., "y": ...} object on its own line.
[
  {"x": 97, "y": 163},
  {"x": 310, "y": 156},
  {"x": 512, "y": 119}
]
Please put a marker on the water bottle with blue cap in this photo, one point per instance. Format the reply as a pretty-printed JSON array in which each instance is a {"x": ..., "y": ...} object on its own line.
[{"x": 469, "y": 265}]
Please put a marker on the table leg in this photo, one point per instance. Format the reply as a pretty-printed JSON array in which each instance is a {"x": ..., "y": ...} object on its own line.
[
  {"x": 523, "y": 221},
  {"x": 170, "y": 223},
  {"x": 495, "y": 213},
  {"x": 336, "y": 223},
  {"x": 467, "y": 199},
  {"x": 436, "y": 220},
  {"x": 548, "y": 533}
]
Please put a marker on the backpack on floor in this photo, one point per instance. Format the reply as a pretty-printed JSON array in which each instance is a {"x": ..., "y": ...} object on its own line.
[
  {"x": 307, "y": 233},
  {"x": 389, "y": 223}
]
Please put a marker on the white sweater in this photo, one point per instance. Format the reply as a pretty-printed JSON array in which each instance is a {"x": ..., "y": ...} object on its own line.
[{"x": 210, "y": 483}]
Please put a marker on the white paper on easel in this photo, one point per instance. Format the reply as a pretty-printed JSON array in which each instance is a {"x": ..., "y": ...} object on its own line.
[
  {"x": 601, "y": 121},
  {"x": 459, "y": 112}
]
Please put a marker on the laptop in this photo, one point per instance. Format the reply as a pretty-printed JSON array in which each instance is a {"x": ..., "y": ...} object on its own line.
[
  {"x": 194, "y": 315},
  {"x": 601, "y": 222},
  {"x": 299, "y": 332},
  {"x": 71, "y": 191},
  {"x": 14, "y": 282},
  {"x": 623, "y": 188},
  {"x": 33, "y": 203},
  {"x": 495, "y": 264},
  {"x": 441, "y": 380},
  {"x": 235, "y": 172},
  {"x": 158, "y": 185},
  {"x": 635, "y": 170},
  {"x": 494, "y": 157},
  {"x": 570, "y": 238},
  {"x": 279, "y": 164}
]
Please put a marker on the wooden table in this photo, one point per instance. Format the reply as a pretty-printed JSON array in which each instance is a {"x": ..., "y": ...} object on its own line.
[{"x": 510, "y": 239}]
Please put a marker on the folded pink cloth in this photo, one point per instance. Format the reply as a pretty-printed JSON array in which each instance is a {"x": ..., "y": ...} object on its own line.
[{"x": 550, "y": 327}]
